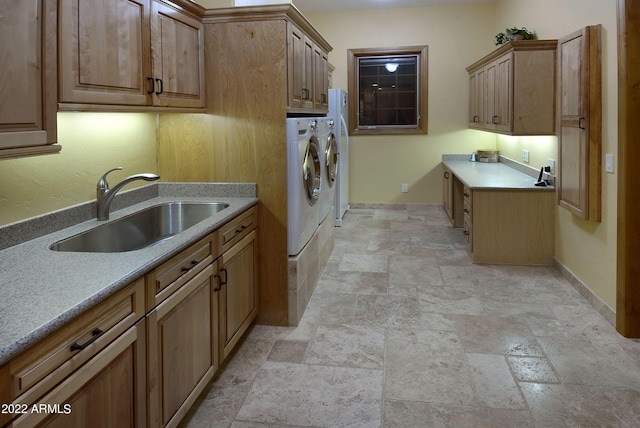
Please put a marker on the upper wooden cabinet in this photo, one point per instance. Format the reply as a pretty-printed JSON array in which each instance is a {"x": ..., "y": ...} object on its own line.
[
  {"x": 512, "y": 90},
  {"x": 308, "y": 72},
  {"x": 177, "y": 55},
  {"x": 29, "y": 78},
  {"x": 580, "y": 123},
  {"x": 234, "y": 35},
  {"x": 131, "y": 53}
]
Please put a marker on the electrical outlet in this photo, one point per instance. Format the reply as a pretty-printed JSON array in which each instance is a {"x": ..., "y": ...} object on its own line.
[
  {"x": 551, "y": 163},
  {"x": 405, "y": 188},
  {"x": 525, "y": 155}
]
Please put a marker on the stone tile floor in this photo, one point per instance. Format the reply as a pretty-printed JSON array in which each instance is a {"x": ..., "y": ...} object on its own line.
[{"x": 403, "y": 331}]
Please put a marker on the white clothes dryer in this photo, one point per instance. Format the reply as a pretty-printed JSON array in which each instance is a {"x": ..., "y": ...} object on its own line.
[
  {"x": 329, "y": 164},
  {"x": 303, "y": 183}
]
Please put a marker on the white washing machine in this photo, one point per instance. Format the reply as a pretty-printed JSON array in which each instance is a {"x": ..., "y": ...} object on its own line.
[
  {"x": 303, "y": 182},
  {"x": 329, "y": 164}
]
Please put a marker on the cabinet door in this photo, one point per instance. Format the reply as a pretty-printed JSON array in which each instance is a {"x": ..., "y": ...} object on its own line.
[
  {"x": 28, "y": 72},
  {"x": 503, "y": 108},
  {"x": 181, "y": 349},
  {"x": 104, "y": 47},
  {"x": 478, "y": 99},
  {"x": 447, "y": 193},
  {"x": 177, "y": 51},
  {"x": 320, "y": 79},
  {"x": 579, "y": 134},
  {"x": 307, "y": 73},
  {"x": 108, "y": 391},
  {"x": 491, "y": 75},
  {"x": 239, "y": 291},
  {"x": 295, "y": 64}
]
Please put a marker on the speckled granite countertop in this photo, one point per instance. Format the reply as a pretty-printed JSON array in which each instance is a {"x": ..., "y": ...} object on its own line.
[
  {"x": 42, "y": 290},
  {"x": 499, "y": 175}
]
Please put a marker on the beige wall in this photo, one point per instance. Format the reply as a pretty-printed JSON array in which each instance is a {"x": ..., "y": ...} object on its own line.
[
  {"x": 588, "y": 249},
  {"x": 92, "y": 143},
  {"x": 380, "y": 164},
  {"x": 457, "y": 36}
]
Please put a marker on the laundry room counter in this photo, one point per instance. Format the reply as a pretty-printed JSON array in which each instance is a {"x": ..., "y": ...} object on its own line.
[{"x": 504, "y": 217}]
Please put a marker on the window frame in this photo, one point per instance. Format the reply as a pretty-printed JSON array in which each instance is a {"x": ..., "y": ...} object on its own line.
[{"x": 353, "y": 55}]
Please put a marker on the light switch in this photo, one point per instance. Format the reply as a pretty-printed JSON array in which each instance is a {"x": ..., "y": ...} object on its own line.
[{"x": 608, "y": 164}]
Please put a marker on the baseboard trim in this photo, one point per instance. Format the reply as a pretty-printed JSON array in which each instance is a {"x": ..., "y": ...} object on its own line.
[{"x": 599, "y": 305}]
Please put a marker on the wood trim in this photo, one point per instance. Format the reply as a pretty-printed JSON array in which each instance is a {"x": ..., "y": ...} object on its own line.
[
  {"x": 287, "y": 12},
  {"x": 518, "y": 45},
  {"x": 628, "y": 260},
  {"x": 50, "y": 75},
  {"x": 352, "y": 88}
]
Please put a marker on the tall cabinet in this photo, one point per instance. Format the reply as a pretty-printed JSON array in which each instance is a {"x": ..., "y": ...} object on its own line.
[
  {"x": 580, "y": 119},
  {"x": 257, "y": 61}
]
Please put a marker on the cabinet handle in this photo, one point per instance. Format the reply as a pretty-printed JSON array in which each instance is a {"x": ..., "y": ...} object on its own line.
[
  {"x": 188, "y": 268},
  {"x": 466, "y": 232},
  {"x": 581, "y": 122},
  {"x": 219, "y": 287},
  {"x": 153, "y": 85},
  {"x": 446, "y": 175},
  {"x": 475, "y": 119},
  {"x": 493, "y": 120},
  {"x": 305, "y": 94},
  {"x": 323, "y": 98},
  {"x": 223, "y": 281},
  {"x": 96, "y": 334},
  {"x": 241, "y": 229},
  {"x": 159, "y": 81}
]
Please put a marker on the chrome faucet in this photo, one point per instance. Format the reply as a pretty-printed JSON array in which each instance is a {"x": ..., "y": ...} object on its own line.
[{"x": 105, "y": 195}]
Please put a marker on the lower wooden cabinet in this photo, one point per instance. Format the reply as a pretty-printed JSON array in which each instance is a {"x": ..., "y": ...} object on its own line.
[
  {"x": 512, "y": 227},
  {"x": 110, "y": 390},
  {"x": 142, "y": 357},
  {"x": 238, "y": 295},
  {"x": 182, "y": 348}
]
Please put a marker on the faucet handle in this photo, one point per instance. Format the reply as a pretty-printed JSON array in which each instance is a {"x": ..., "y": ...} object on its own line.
[{"x": 102, "y": 183}]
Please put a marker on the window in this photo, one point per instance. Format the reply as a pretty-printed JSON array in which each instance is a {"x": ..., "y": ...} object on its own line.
[{"x": 388, "y": 90}]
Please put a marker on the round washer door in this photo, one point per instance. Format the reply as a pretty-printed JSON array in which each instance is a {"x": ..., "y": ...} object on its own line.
[
  {"x": 331, "y": 156},
  {"x": 311, "y": 171}
]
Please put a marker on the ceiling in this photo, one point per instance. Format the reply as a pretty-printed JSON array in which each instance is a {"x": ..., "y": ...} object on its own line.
[{"x": 310, "y": 6}]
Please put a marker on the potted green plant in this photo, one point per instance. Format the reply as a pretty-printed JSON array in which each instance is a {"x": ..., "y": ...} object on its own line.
[{"x": 513, "y": 33}]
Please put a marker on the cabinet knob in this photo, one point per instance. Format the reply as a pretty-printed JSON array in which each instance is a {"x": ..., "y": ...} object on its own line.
[{"x": 446, "y": 175}]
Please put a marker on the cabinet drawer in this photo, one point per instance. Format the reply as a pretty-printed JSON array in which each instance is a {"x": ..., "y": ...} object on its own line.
[
  {"x": 175, "y": 272},
  {"x": 40, "y": 368},
  {"x": 238, "y": 228}
]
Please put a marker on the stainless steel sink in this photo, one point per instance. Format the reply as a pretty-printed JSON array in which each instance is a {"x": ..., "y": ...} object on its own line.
[{"x": 141, "y": 229}]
